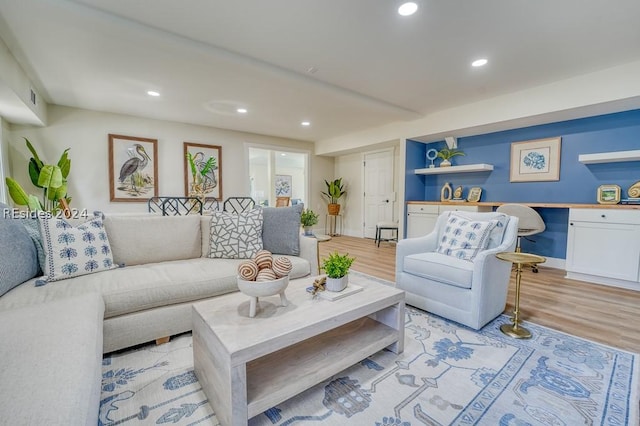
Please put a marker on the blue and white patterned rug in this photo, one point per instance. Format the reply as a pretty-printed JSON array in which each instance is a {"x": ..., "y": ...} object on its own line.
[{"x": 448, "y": 374}]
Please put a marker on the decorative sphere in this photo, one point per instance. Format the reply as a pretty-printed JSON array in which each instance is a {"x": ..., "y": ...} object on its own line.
[
  {"x": 266, "y": 275},
  {"x": 264, "y": 259},
  {"x": 248, "y": 270},
  {"x": 282, "y": 266}
]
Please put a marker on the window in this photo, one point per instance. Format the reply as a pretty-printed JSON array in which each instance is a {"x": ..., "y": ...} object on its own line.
[{"x": 278, "y": 172}]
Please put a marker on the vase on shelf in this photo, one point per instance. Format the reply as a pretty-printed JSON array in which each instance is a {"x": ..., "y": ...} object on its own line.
[{"x": 445, "y": 163}]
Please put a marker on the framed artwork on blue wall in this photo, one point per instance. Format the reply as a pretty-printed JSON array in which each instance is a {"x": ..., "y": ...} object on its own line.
[{"x": 535, "y": 161}]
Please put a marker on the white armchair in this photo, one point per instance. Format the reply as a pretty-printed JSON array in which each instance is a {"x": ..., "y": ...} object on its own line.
[{"x": 470, "y": 292}]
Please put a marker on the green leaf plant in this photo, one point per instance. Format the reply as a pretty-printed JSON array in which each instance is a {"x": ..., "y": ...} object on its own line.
[
  {"x": 335, "y": 190},
  {"x": 447, "y": 154},
  {"x": 337, "y": 265},
  {"x": 308, "y": 218},
  {"x": 51, "y": 178}
]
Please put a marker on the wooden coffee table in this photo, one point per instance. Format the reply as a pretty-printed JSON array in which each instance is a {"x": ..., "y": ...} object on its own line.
[{"x": 248, "y": 365}]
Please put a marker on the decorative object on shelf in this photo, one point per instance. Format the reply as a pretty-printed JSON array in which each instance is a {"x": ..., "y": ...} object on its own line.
[
  {"x": 457, "y": 194},
  {"x": 318, "y": 285},
  {"x": 335, "y": 190},
  {"x": 474, "y": 194},
  {"x": 202, "y": 170},
  {"x": 608, "y": 194},
  {"x": 283, "y": 186},
  {"x": 535, "y": 161},
  {"x": 52, "y": 178},
  {"x": 133, "y": 168},
  {"x": 634, "y": 190},
  {"x": 445, "y": 192},
  {"x": 432, "y": 154},
  {"x": 336, "y": 266},
  {"x": 308, "y": 218},
  {"x": 446, "y": 154},
  {"x": 264, "y": 276}
]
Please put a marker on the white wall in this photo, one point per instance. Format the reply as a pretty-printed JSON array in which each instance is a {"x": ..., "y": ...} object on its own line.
[
  {"x": 86, "y": 133},
  {"x": 4, "y": 159}
]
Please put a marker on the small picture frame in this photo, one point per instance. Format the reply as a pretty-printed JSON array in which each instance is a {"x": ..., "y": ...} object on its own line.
[
  {"x": 608, "y": 194},
  {"x": 474, "y": 194}
]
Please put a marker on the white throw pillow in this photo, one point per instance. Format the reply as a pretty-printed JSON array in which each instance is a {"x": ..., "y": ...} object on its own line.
[
  {"x": 236, "y": 236},
  {"x": 464, "y": 238},
  {"x": 71, "y": 251}
]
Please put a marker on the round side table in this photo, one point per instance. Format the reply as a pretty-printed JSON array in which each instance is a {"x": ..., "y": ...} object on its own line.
[{"x": 514, "y": 329}]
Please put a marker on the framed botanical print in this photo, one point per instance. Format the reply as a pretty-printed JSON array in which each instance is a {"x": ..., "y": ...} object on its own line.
[
  {"x": 133, "y": 168},
  {"x": 535, "y": 161},
  {"x": 202, "y": 170},
  {"x": 283, "y": 186}
]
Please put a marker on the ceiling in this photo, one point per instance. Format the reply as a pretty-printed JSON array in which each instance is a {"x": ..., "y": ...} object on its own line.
[{"x": 343, "y": 65}]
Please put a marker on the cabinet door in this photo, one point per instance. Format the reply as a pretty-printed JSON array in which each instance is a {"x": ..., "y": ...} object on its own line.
[
  {"x": 420, "y": 224},
  {"x": 604, "y": 249}
]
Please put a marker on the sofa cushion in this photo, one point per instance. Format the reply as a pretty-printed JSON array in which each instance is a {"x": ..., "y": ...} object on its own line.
[
  {"x": 236, "y": 236},
  {"x": 137, "y": 239},
  {"x": 141, "y": 287},
  {"x": 497, "y": 233},
  {"x": 281, "y": 229},
  {"x": 72, "y": 251},
  {"x": 440, "y": 267},
  {"x": 32, "y": 225},
  {"x": 463, "y": 238},
  {"x": 18, "y": 255},
  {"x": 51, "y": 366}
]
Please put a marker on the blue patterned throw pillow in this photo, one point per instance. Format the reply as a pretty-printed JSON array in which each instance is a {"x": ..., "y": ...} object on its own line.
[
  {"x": 236, "y": 236},
  {"x": 464, "y": 238},
  {"x": 72, "y": 251}
]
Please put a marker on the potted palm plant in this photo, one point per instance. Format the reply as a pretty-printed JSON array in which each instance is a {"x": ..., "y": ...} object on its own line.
[
  {"x": 308, "y": 218},
  {"x": 335, "y": 190},
  {"x": 336, "y": 266},
  {"x": 446, "y": 154}
]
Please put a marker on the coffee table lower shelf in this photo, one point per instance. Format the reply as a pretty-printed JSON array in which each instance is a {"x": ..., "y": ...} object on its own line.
[{"x": 276, "y": 377}]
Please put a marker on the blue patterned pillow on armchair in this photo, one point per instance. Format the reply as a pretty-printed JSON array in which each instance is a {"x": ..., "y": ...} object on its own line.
[{"x": 464, "y": 238}]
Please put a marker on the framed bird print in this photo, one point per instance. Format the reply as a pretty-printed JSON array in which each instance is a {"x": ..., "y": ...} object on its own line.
[
  {"x": 202, "y": 170},
  {"x": 133, "y": 168}
]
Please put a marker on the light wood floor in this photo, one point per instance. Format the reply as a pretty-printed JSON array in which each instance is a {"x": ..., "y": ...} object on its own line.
[{"x": 599, "y": 313}]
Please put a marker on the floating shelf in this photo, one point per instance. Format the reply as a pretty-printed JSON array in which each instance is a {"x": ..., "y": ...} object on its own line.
[
  {"x": 466, "y": 168},
  {"x": 609, "y": 157}
]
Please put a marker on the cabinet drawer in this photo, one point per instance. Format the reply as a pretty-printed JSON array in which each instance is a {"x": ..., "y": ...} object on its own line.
[
  {"x": 422, "y": 208},
  {"x": 631, "y": 217}
]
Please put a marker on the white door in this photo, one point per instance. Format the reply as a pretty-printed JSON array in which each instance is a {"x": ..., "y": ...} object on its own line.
[{"x": 379, "y": 197}]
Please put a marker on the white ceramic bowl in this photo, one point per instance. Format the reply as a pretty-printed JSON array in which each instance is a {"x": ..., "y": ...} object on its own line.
[{"x": 263, "y": 288}]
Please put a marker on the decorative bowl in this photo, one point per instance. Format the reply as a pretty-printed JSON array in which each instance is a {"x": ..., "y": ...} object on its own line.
[{"x": 256, "y": 289}]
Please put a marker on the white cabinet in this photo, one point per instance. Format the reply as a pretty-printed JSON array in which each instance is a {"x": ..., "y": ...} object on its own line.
[
  {"x": 421, "y": 218},
  {"x": 603, "y": 246}
]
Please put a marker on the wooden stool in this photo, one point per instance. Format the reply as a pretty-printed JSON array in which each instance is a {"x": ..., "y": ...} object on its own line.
[
  {"x": 385, "y": 226},
  {"x": 514, "y": 329}
]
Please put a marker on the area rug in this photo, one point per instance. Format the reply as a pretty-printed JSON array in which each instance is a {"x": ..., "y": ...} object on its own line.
[{"x": 447, "y": 375}]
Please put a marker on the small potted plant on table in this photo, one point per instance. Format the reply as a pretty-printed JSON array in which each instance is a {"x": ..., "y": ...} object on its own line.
[
  {"x": 308, "y": 218},
  {"x": 336, "y": 266}
]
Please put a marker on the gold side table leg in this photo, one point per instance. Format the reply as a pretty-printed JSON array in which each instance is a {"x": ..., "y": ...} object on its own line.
[{"x": 514, "y": 329}]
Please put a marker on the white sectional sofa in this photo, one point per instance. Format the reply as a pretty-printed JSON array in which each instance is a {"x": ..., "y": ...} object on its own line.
[{"x": 166, "y": 269}]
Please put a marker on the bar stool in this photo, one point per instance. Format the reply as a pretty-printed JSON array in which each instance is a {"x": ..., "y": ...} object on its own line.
[
  {"x": 386, "y": 226},
  {"x": 514, "y": 329}
]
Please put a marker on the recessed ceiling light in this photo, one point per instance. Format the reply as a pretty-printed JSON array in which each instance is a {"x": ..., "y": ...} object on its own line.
[
  {"x": 305, "y": 123},
  {"x": 479, "y": 62},
  {"x": 408, "y": 8},
  {"x": 241, "y": 110},
  {"x": 153, "y": 93}
]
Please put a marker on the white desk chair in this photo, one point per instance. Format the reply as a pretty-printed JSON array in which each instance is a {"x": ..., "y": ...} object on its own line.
[{"x": 530, "y": 222}]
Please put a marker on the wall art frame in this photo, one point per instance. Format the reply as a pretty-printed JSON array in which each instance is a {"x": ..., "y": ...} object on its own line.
[
  {"x": 608, "y": 194},
  {"x": 282, "y": 185},
  {"x": 535, "y": 160},
  {"x": 212, "y": 181},
  {"x": 474, "y": 195},
  {"x": 133, "y": 168}
]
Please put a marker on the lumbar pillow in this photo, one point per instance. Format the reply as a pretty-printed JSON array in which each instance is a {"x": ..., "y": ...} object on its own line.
[
  {"x": 18, "y": 257},
  {"x": 464, "y": 238},
  {"x": 72, "y": 251},
  {"x": 236, "y": 236},
  {"x": 281, "y": 229}
]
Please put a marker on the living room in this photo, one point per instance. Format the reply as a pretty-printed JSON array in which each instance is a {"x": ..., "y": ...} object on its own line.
[{"x": 75, "y": 72}]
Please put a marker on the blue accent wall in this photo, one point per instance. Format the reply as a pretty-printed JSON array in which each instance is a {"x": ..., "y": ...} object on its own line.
[{"x": 578, "y": 182}]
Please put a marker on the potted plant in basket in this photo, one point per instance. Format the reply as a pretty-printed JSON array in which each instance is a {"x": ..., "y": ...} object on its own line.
[
  {"x": 446, "y": 154},
  {"x": 308, "y": 218},
  {"x": 336, "y": 266},
  {"x": 335, "y": 190}
]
